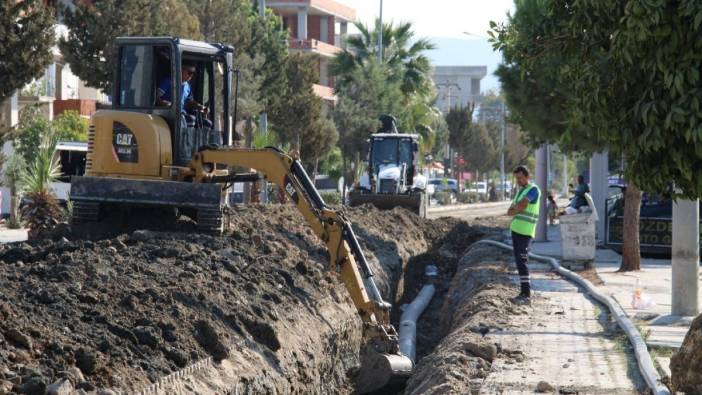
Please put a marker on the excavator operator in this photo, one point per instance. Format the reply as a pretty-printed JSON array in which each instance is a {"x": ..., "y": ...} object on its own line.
[{"x": 164, "y": 96}]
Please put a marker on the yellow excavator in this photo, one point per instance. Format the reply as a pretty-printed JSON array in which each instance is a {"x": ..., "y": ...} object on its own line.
[{"x": 150, "y": 150}]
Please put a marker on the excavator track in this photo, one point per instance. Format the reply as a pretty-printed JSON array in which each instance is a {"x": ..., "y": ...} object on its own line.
[
  {"x": 209, "y": 220},
  {"x": 85, "y": 211}
]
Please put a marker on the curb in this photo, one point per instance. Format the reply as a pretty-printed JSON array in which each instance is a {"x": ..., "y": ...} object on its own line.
[{"x": 643, "y": 358}]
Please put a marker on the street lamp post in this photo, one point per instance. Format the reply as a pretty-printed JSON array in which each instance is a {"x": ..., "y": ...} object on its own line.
[
  {"x": 380, "y": 35},
  {"x": 503, "y": 127}
]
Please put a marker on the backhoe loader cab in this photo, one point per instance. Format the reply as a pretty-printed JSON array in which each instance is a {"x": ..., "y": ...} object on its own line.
[{"x": 391, "y": 178}]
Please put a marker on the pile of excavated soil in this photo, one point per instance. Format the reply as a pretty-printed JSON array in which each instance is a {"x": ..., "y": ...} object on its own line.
[
  {"x": 686, "y": 363},
  {"x": 95, "y": 309},
  {"x": 476, "y": 303}
]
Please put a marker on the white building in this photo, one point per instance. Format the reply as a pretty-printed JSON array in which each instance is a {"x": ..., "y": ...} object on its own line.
[{"x": 457, "y": 85}]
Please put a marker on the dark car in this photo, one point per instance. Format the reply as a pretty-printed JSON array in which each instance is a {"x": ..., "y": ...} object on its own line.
[{"x": 656, "y": 222}]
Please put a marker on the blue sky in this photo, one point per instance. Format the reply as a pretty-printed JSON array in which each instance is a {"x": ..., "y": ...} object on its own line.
[{"x": 443, "y": 22}]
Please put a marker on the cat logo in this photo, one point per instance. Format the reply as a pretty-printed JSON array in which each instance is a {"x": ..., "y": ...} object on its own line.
[
  {"x": 124, "y": 144},
  {"x": 124, "y": 138}
]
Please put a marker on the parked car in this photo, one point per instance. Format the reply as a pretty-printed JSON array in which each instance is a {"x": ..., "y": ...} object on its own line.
[
  {"x": 444, "y": 184},
  {"x": 656, "y": 221},
  {"x": 508, "y": 187}
]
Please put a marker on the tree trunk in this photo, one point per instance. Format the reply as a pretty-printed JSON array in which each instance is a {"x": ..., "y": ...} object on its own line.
[
  {"x": 248, "y": 135},
  {"x": 13, "y": 205},
  {"x": 631, "y": 251},
  {"x": 345, "y": 176}
]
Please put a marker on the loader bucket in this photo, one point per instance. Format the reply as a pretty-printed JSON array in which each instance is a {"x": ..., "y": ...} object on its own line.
[
  {"x": 415, "y": 202},
  {"x": 382, "y": 373}
]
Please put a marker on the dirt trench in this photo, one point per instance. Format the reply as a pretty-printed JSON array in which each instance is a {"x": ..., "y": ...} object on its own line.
[
  {"x": 253, "y": 311},
  {"x": 476, "y": 302}
]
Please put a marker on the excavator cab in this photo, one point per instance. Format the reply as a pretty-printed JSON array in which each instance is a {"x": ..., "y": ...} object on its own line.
[{"x": 152, "y": 75}]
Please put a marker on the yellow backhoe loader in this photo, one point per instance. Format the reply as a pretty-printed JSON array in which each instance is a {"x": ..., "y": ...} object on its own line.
[{"x": 149, "y": 150}]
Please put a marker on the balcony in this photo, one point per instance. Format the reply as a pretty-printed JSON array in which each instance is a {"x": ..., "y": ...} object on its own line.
[
  {"x": 317, "y": 7},
  {"x": 325, "y": 92},
  {"x": 316, "y": 46},
  {"x": 85, "y": 108}
]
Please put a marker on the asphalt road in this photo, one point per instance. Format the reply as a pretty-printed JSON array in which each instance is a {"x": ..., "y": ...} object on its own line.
[
  {"x": 476, "y": 210},
  {"x": 470, "y": 211}
]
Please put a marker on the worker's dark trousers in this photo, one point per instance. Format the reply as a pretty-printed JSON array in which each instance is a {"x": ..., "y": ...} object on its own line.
[{"x": 521, "y": 245}]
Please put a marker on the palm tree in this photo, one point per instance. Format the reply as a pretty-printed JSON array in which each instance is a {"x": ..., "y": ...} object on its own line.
[
  {"x": 406, "y": 62},
  {"x": 42, "y": 212}
]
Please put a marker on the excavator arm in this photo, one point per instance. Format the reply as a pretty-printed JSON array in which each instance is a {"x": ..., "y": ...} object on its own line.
[{"x": 384, "y": 363}]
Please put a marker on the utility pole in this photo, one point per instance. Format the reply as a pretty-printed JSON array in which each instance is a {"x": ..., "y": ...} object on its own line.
[
  {"x": 380, "y": 35},
  {"x": 448, "y": 86},
  {"x": 263, "y": 119},
  {"x": 541, "y": 177},
  {"x": 686, "y": 257},
  {"x": 599, "y": 185},
  {"x": 565, "y": 175},
  {"x": 502, "y": 150}
]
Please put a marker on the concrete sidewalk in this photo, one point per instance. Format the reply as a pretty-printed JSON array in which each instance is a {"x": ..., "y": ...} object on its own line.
[{"x": 659, "y": 327}]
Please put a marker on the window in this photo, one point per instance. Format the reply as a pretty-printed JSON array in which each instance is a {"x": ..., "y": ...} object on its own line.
[
  {"x": 136, "y": 86},
  {"x": 384, "y": 151},
  {"x": 406, "y": 151}
]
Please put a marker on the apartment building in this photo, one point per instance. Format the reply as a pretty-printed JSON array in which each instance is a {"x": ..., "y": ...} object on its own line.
[
  {"x": 457, "y": 85},
  {"x": 317, "y": 26}
]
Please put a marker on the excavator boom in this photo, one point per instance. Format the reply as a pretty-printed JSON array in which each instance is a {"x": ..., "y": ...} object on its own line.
[{"x": 382, "y": 363}]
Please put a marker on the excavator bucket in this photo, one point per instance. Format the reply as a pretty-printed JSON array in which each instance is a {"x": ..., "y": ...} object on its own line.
[
  {"x": 382, "y": 373},
  {"x": 415, "y": 202}
]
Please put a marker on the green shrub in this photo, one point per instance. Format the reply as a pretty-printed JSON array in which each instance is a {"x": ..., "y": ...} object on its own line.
[
  {"x": 443, "y": 197},
  {"x": 469, "y": 197},
  {"x": 69, "y": 126},
  {"x": 331, "y": 197}
]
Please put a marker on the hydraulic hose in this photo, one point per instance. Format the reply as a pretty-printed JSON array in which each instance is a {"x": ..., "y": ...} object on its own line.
[{"x": 643, "y": 358}]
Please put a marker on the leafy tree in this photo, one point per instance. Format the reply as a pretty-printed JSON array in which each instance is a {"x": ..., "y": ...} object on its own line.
[
  {"x": 470, "y": 140},
  {"x": 405, "y": 58},
  {"x": 69, "y": 126},
  {"x": 260, "y": 43},
  {"x": 516, "y": 151},
  {"x": 32, "y": 128},
  {"x": 569, "y": 79},
  {"x": 459, "y": 121},
  {"x": 304, "y": 106},
  {"x": 93, "y": 26},
  {"x": 319, "y": 140},
  {"x": 405, "y": 67},
  {"x": 356, "y": 113},
  {"x": 479, "y": 150},
  {"x": 27, "y": 31}
]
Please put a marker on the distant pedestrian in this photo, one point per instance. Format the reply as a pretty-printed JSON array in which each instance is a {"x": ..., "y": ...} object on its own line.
[
  {"x": 492, "y": 193},
  {"x": 579, "y": 199},
  {"x": 552, "y": 209},
  {"x": 525, "y": 210}
]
